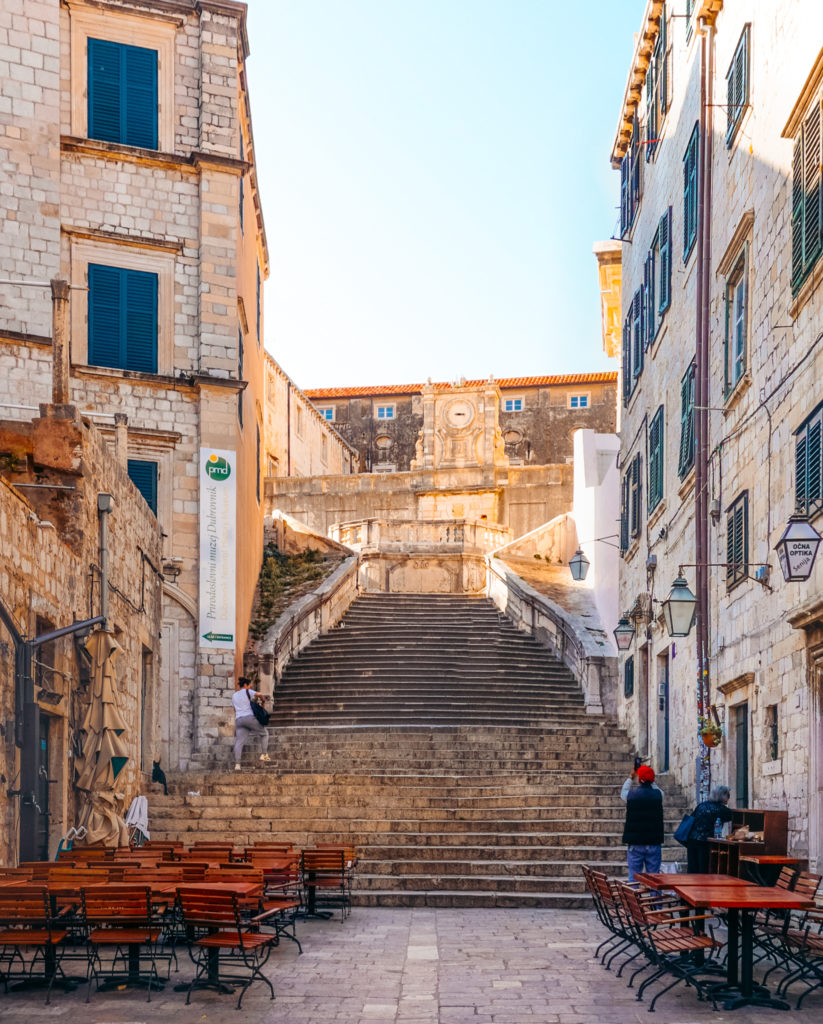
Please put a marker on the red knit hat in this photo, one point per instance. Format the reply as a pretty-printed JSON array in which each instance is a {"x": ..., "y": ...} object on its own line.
[{"x": 645, "y": 773}]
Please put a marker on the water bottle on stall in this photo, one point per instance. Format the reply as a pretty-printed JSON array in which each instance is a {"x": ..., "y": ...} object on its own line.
[{"x": 718, "y": 828}]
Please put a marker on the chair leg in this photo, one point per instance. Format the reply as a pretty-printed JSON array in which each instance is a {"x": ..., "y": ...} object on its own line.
[
  {"x": 661, "y": 992},
  {"x": 816, "y": 985}
]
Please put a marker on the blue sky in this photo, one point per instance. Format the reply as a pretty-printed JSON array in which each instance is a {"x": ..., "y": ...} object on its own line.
[{"x": 433, "y": 176}]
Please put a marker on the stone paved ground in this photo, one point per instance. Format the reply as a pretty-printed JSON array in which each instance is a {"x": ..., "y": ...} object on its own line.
[{"x": 416, "y": 967}]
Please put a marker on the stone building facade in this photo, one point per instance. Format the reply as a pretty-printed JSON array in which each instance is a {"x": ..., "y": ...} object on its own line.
[
  {"x": 538, "y": 416},
  {"x": 298, "y": 440},
  {"x": 721, "y": 394},
  {"x": 150, "y": 210},
  {"x": 52, "y": 468}
]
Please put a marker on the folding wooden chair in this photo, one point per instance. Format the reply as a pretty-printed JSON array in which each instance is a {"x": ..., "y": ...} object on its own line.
[
  {"x": 121, "y": 917},
  {"x": 325, "y": 881},
  {"x": 220, "y": 936},
  {"x": 29, "y": 935}
]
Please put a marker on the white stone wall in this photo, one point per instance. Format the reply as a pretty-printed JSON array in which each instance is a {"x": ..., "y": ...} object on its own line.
[{"x": 756, "y": 656}]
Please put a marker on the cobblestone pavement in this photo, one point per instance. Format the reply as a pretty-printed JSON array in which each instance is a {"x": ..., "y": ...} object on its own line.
[{"x": 415, "y": 967}]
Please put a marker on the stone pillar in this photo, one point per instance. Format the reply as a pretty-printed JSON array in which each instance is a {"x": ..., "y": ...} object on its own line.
[
  {"x": 60, "y": 341},
  {"x": 121, "y": 438}
]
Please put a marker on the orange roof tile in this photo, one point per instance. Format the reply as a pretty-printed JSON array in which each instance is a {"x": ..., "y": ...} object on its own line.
[{"x": 505, "y": 383}]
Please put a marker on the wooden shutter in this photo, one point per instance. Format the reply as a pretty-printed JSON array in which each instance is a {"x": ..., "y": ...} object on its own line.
[
  {"x": 690, "y": 195},
  {"x": 648, "y": 298},
  {"x": 139, "y": 304},
  {"x": 811, "y": 186},
  {"x": 737, "y": 85},
  {"x": 814, "y": 484},
  {"x": 651, "y": 106},
  {"x": 625, "y": 222},
  {"x": 625, "y": 486},
  {"x": 634, "y": 149},
  {"x": 143, "y": 475},
  {"x": 663, "y": 86},
  {"x": 104, "y": 71},
  {"x": 105, "y": 340},
  {"x": 798, "y": 206},
  {"x": 686, "y": 422},
  {"x": 636, "y": 495},
  {"x": 139, "y": 96},
  {"x": 627, "y": 359},
  {"x": 656, "y": 460},
  {"x": 665, "y": 250},
  {"x": 628, "y": 676},
  {"x": 737, "y": 541},
  {"x": 637, "y": 333}
]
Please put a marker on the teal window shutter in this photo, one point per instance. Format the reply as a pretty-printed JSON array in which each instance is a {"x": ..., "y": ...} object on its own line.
[
  {"x": 143, "y": 475},
  {"x": 807, "y": 196},
  {"x": 663, "y": 87},
  {"x": 122, "y": 318},
  {"x": 625, "y": 486},
  {"x": 637, "y": 334},
  {"x": 690, "y": 193},
  {"x": 656, "y": 460},
  {"x": 737, "y": 86},
  {"x": 122, "y": 93},
  {"x": 648, "y": 291},
  {"x": 737, "y": 540},
  {"x": 686, "y": 458},
  {"x": 808, "y": 466},
  {"x": 627, "y": 358},
  {"x": 636, "y": 495},
  {"x": 664, "y": 234},
  {"x": 628, "y": 676}
]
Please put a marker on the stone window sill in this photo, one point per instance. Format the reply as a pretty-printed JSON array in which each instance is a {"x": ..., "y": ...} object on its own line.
[
  {"x": 686, "y": 485},
  {"x": 737, "y": 392},
  {"x": 657, "y": 515},
  {"x": 807, "y": 289}
]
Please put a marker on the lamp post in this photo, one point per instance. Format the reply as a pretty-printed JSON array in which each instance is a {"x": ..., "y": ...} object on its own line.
[{"x": 797, "y": 549}]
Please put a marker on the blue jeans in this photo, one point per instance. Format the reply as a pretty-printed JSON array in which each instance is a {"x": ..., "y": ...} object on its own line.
[{"x": 643, "y": 858}]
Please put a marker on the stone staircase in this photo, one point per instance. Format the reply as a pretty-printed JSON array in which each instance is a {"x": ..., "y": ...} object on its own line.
[{"x": 455, "y": 753}]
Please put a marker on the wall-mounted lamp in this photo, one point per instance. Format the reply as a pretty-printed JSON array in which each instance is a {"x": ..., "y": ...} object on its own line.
[
  {"x": 679, "y": 608},
  {"x": 624, "y": 634},
  {"x": 579, "y": 564},
  {"x": 797, "y": 549}
]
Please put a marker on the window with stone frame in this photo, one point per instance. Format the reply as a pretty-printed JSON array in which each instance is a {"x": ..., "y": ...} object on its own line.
[
  {"x": 772, "y": 733},
  {"x": 737, "y": 323},
  {"x": 143, "y": 474},
  {"x": 385, "y": 412},
  {"x": 737, "y": 85},
  {"x": 122, "y": 318},
  {"x": 634, "y": 343},
  {"x": 512, "y": 405},
  {"x": 690, "y": 185},
  {"x": 807, "y": 194},
  {"x": 808, "y": 464},
  {"x": 737, "y": 541},
  {"x": 686, "y": 455},
  {"x": 657, "y": 86},
  {"x": 656, "y": 460},
  {"x": 327, "y": 412},
  {"x": 630, "y": 180}
]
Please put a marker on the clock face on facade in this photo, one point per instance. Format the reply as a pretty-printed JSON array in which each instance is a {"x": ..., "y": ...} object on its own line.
[{"x": 459, "y": 413}]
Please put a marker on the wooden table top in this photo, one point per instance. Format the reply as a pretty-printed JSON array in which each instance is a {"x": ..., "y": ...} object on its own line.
[
  {"x": 663, "y": 880},
  {"x": 769, "y": 858},
  {"x": 750, "y": 897}
]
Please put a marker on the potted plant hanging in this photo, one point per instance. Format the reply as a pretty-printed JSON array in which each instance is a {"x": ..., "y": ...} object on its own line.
[{"x": 710, "y": 729}]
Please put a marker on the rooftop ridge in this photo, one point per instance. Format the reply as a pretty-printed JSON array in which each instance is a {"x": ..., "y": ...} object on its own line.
[{"x": 551, "y": 380}]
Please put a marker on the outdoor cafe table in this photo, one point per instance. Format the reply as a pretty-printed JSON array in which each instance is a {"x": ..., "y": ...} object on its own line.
[
  {"x": 664, "y": 880},
  {"x": 758, "y": 864},
  {"x": 747, "y": 899}
]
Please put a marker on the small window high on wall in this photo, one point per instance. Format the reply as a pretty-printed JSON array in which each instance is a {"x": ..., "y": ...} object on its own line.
[{"x": 122, "y": 93}]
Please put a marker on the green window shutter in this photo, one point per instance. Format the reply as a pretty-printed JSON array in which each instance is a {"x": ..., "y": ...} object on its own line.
[
  {"x": 663, "y": 86},
  {"x": 140, "y": 96},
  {"x": 628, "y": 676},
  {"x": 651, "y": 107},
  {"x": 665, "y": 250},
  {"x": 686, "y": 456},
  {"x": 813, "y": 483},
  {"x": 656, "y": 460},
  {"x": 635, "y": 167},
  {"x": 143, "y": 475},
  {"x": 636, "y": 496},
  {"x": 737, "y": 554},
  {"x": 690, "y": 194},
  {"x": 637, "y": 333},
  {"x": 812, "y": 187},
  {"x": 625, "y": 222},
  {"x": 627, "y": 359},
  {"x": 104, "y": 73},
  {"x": 122, "y": 318},
  {"x": 625, "y": 490},
  {"x": 648, "y": 292},
  {"x": 798, "y": 206}
]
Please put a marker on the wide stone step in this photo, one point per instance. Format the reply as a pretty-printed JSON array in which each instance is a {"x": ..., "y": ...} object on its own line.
[{"x": 487, "y": 900}]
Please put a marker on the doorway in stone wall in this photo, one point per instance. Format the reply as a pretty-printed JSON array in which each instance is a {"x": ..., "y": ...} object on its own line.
[
  {"x": 663, "y": 723},
  {"x": 740, "y": 739}
]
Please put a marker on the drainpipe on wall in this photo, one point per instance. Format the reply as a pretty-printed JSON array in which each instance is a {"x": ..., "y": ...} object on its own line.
[{"x": 701, "y": 400}]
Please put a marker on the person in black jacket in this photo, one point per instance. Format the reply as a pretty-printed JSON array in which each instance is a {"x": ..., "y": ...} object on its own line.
[
  {"x": 705, "y": 816},
  {"x": 643, "y": 831}
]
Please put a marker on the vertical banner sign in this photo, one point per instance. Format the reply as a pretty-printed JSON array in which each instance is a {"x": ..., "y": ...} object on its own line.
[{"x": 218, "y": 506}]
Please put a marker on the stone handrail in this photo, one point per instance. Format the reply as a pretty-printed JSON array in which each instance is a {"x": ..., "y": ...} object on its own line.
[
  {"x": 307, "y": 618},
  {"x": 567, "y": 635}
]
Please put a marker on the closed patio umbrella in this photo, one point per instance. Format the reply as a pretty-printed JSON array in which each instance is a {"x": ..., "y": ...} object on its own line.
[{"x": 103, "y": 749}]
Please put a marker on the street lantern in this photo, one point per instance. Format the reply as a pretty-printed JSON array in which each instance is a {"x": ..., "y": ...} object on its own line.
[
  {"x": 579, "y": 565},
  {"x": 623, "y": 634},
  {"x": 797, "y": 549},
  {"x": 680, "y": 608}
]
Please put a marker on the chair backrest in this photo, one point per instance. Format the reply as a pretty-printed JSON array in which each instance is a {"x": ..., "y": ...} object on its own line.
[
  {"x": 325, "y": 861},
  {"x": 630, "y": 898},
  {"x": 785, "y": 879},
  {"x": 201, "y": 908},
  {"x": 348, "y": 850},
  {"x": 807, "y": 885},
  {"x": 117, "y": 904},
  {"x": 235, "y": 873},
  {"x": 28, "y": 905}
]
